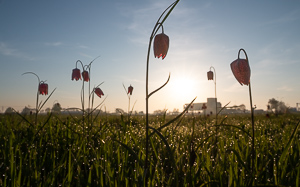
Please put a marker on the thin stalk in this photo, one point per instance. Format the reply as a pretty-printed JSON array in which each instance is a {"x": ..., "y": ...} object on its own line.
[
  {"x": 82, "y": 91},
  {"x": 215, "y": 82},
  {"x": 36, "y": 106},
  {"x": 147, "y": 114},
  {"x": 89, "y": 109},
  {"x": 128, "y": 105},
  {"x": 37, "y": 96},
  {"x": 253, "y": 134},
  {"x": 252, "y": 120},
  {"x": 154, "y": 31},
  {"x": 82, "y": 101}
]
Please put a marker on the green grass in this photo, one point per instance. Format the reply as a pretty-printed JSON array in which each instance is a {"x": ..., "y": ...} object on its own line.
[{"x": 61, "y": 151}]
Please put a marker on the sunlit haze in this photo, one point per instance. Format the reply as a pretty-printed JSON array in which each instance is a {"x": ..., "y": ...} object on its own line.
[{"x": 48, "y": 37}]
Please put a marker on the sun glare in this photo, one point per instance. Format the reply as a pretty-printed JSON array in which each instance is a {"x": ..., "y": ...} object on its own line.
[{"x": 183, "y": 88}]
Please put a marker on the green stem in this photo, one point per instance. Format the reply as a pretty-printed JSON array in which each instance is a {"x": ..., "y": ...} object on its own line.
[
  {"x": 37, "y": 96},
  {"x": 253, "y": 133},
  {"x": 154, "y": 31}
]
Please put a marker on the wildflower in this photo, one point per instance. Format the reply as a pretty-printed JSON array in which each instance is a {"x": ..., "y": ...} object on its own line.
[
  {"x": 98, "y": 92},
  {"x": 161, "y": 45},
  {"x": 43, "y": 88},
  {"x": 210, "y": 75},
  {"x": 130, "y": 89},
  {"x": 204, "y": 106},
  {"x": 76, "y": 74},
  {"x": 85, "y": 76},
  {"x": 241, "y": 70}
]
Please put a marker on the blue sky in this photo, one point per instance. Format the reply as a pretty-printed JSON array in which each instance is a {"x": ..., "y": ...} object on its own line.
[{"x": 48, "y": 37}]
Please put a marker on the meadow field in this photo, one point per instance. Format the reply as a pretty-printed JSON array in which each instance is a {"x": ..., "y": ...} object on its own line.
[{"x": 61, "y": 150}]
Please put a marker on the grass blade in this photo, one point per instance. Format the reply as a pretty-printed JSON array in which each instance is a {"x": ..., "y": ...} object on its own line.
[{"x": 288, "y": 145}]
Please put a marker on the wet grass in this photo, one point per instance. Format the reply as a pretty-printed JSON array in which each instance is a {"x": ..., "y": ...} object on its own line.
[{"x": 62, "y": 151}]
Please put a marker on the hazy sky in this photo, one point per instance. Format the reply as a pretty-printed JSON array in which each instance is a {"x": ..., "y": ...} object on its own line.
[{"x": 48, "y": 37}]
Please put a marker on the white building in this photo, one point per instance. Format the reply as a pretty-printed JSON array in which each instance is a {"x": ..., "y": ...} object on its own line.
[{"x": 209, "y": 107}]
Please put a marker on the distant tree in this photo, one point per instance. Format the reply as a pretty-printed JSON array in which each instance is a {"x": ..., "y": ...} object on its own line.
[
  {"x": 273, "y": 103},
  {"x": 242, "y": 107},
  {"x": 26, "y": 111},
  {"x": 119, "y": 110},
  {"x": 159, "y": 112},
  {"x": 277, "y": 106},
  {"x": 175, "y": 111},
  {"x": 56, "y": 108},
  {"x": 9, "y": 110},
  {"x": 282, "y": 108},
  {"x": 48, "y": 110}
]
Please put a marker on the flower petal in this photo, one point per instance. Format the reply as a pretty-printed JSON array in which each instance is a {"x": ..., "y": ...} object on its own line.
[
  {"x": 161, "y": 45},
  {"x": 241, "y": 70},
  {"x": 98, "y": 92},
  {"x": 76, "y": 74}
]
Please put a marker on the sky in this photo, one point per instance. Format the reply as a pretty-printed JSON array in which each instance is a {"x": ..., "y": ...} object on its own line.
[{"x": 48, "y": 37}]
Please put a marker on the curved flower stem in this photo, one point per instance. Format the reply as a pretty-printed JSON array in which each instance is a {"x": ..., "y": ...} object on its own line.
[
  {"x": 89, "y": 70},
  {"x": 89, "y": 104},
  {"x": 252, "y": 120},
  {"x": 37, "y": 95},
  {"x": 215, "y": 81},
  {"x": 154, "y": 31},
  {"x": 92, "y": 102},
  {"x": 128, "y": 101},
  {"x": 217, "y": 128},
  {"x": 82, "y": 91},
  {"x": 80, "y": 63},
  {"x": 82, "y": 100}
]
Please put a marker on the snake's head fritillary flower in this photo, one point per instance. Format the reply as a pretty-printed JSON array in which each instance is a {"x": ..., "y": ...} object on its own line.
[
  {"x": 76, "y": 74},
  {"x": 85, "y": 76},
  {"x": 43, "y": 88},
  {"x": 98, "y": 92},
  {"x": 204, "y": 106},
  {"x": 130, "y": 89},
  {"x": 210, "y": 75},
  {"x": 241, "y": 70},
  {"x": 161, "y": 45}
]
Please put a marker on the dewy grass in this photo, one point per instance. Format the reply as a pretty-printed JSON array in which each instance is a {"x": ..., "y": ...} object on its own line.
[{"x": 114, "y": 153}]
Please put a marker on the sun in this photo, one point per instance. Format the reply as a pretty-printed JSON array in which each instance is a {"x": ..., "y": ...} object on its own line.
[{"x": 183, "y": 87}]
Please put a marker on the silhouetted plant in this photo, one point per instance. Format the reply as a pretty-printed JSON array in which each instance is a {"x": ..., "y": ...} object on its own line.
[
  {"x": 42, "y": 90},
  {"x": 86, "y": 77},
  {"x": 129, "y": 93},
  {"x": 241, "y": 70},
  {"x": 160, "y": 47}
]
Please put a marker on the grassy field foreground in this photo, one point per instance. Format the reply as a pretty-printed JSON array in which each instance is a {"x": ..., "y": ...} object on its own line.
[{"x": 110, "y": 151}]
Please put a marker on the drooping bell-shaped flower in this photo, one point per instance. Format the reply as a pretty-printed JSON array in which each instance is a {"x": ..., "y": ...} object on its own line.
[
  {"x": 204, "y": 106},
  {"x": 43, "y": 88},
  {"x": 210, "y": 75},
  {"x": 241, "y": 70},
  {"x": 130, "y": 89},
  {"x": 161, "y": 45},
  {"x": 85, "y": 76},
  {"x": 98, "y": 92},
  {"x": 76, "y": 74}
]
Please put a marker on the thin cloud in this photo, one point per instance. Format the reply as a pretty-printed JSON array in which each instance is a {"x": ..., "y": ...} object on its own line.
[
  {"x": 83, "y": 47},
  {"x": 143, "y": 19},
  {"x": 55, "y": 44},
  {"x": 292, "y": 16},
  {"x": 8, "y": 51},
  {"x": 285, "y": 88},
  {"x": 86, "y": 55},
  {"x": 5, "y": 50}
]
